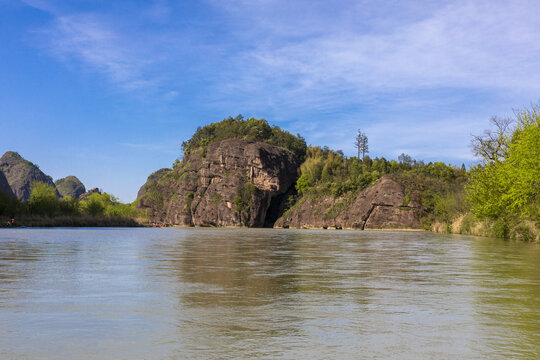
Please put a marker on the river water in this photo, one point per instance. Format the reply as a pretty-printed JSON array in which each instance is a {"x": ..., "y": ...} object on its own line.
[{"x": 263, "y": 293}]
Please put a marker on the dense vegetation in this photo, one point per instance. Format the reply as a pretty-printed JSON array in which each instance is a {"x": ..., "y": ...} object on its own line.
[
  {"x": 329, "y": 173},
  {"x": 44, "y": 205},
  {"x": 505, "y": 188},
  {"x": 250, "y": 129}
]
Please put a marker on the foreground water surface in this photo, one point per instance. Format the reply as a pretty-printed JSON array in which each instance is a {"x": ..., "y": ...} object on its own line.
[{"x": 263, "y": 293}]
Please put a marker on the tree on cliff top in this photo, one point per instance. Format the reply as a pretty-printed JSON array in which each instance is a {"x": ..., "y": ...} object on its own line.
[{"x": 250, "y": 129}]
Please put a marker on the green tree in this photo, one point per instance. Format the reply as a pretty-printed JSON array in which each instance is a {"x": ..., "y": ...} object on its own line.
[
  {"x": 508, "y": 184},
  {"x": 43, "y": 199}
]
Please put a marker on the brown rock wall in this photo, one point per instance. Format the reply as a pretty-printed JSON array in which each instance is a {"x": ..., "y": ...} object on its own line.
[
  {"x": 380, "y": 206},
  {"x": 232, "y": 185}
]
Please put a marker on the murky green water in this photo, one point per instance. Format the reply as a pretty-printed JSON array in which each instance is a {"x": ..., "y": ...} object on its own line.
[{"x": 228, "y": 294}]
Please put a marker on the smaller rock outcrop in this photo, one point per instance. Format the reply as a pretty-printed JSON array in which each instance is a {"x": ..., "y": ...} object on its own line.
[
  {"x": 21, "y": 173},
  {"x": 384, "y": 205},
  {"x": 87, "y": 194},
  {"x": 70, "y": 186}
]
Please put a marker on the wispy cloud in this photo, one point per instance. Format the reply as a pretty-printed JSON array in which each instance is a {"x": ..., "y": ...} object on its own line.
[
  {"x": 305, "y": 60},
  {"x": 92, "y": 42},
  {"x": 482, "y": 45}
]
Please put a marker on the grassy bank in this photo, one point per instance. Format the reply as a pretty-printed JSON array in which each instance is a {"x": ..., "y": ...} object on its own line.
[{"x": 468, "y": 224}]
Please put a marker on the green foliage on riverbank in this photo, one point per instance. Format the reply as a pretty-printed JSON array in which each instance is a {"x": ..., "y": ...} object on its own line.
[
  {"x": 250, "y": 129},
  {"x": 505, "y": 188},
  {"x": 327, "y": 172},
  {"x": 44, "y": 204}
]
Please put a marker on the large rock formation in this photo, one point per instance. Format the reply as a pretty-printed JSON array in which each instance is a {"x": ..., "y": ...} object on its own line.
[
  {"x": 21, "y": 173},
  {"x": 4, "y": 185},
  {"x": 384, "y": 205},
  {"x": 70, "y": 186},
  {"x": 231, "y": 183}
]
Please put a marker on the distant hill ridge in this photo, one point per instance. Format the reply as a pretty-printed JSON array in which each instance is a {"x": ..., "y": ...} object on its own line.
[{"x": 70, "y": 186}]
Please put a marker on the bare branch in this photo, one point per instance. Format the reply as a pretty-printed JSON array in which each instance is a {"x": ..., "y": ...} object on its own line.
[{"x": 493, "y": 145}]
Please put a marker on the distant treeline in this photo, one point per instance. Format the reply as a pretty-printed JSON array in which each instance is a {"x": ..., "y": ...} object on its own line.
[{"x": 43, "y": 205}]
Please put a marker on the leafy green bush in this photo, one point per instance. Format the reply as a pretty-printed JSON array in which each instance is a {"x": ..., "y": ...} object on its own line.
[
  {"x": 69, "y": 206},
  {"x": 244, "y": 199},
  {"x": 43, "y": 199}
]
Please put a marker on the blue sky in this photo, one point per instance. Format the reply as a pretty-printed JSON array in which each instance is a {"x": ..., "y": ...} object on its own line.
[{"x": 107, "y": 90}]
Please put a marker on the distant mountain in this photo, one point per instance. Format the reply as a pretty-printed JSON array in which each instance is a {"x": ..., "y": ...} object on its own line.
[
  {"x": 70, "y": 186},
  {"x": 21, "y": 173}
]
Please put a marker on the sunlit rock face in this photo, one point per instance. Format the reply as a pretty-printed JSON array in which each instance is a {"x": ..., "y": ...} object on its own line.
[
  {"x": 231, "y": 183},
  {"x": 383, "y": 205}
]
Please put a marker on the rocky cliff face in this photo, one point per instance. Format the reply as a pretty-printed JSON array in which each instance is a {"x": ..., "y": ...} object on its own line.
[
  {"x": 70, "y": 186},
  {"x": 20, "y": 174},
  {"x": 381, "y": 206},
  {"x": 234, "y": 183},
  {"x": 4, "y": 185}
]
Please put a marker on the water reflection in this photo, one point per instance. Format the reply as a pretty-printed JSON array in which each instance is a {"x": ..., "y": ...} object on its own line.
[
  {"x": 507, "y": 295},
  {"x": 248, "y": 293}
]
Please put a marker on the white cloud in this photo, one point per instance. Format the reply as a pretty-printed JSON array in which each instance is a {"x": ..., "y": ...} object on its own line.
[
  {"x": 94, "y": 43},
  {"x": 483, "y": 45}
]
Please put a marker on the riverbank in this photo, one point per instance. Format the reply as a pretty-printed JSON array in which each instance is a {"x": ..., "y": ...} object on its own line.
[
  {"x": 468, "y": 224},
  {"x": 74, "y": 221}
]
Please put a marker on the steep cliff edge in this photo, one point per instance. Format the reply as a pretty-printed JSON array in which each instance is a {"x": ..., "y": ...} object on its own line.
[
  {"x": 230, "y": 183},
  {"x": 21, "y": 173},
  {"x": 4, "y": 185},
  {"x": 384, "y": 205}
]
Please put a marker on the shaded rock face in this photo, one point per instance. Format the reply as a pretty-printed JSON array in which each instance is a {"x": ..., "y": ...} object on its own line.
[
  {"x": 156, "y": 175},
  {"x": 234, "y": 184},
  {"x": 70, "y": 186},
  {"x": 4, "y": 185},
  {"x": 21, "y": 173},
  {"x": 383, "y": 205}
]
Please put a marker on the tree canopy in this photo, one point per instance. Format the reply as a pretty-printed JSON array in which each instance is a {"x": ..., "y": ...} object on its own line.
[
  {"x": 508, "y": 186},
  {"x": 250, "y": 129}
]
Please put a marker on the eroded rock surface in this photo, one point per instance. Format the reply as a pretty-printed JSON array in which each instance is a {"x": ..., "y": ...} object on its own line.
[
  {"x": 384, "y": 205},
  {"x": 234, "y": 183}
]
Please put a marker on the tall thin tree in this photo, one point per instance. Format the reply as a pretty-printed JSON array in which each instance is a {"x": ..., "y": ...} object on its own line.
[{"x": 361, "y": 144}]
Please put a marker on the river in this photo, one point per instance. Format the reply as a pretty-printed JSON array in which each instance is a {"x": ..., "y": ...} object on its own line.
[{"x": 260, "y": 293}]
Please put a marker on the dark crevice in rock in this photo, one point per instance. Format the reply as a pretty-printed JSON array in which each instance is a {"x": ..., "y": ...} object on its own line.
[{"x": 366, "y": 217}]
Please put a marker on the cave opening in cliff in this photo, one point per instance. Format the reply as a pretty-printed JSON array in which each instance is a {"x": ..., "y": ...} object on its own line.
[{"x": 275, "y": 210}]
